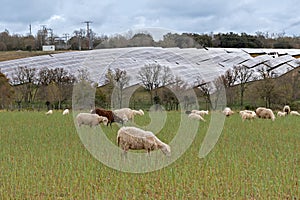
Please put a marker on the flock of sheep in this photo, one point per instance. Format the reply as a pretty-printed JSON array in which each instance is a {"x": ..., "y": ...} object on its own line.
[
  {"x": 261, "y": 112},
  {"x": 137, "y": 139},
  {"x": 127, "y": 137}
]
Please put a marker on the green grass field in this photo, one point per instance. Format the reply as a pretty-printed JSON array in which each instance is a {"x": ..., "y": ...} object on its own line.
[{"x": 42, "y": 157}]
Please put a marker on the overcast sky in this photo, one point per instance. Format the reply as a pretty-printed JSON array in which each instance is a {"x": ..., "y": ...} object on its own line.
[{"x": 112, "y": 16}]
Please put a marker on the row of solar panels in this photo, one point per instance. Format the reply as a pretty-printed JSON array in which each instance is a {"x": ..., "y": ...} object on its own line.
[{"x": 188, "y": 64}]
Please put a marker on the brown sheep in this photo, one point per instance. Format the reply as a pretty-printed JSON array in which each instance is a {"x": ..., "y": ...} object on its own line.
[{"x": 108, "y": 114}]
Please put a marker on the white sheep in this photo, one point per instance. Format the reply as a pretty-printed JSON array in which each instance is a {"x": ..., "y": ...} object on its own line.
[
  {"x": 90, "y": 119},
  {"x": 196, "y": 116},
  {"x": 281, "y": 114},
  {"x": 50, "y": 112},
  {"x": 137, "y": 139},
  {"x": 127, "y": 113},
  {"x": 66, "y": 112},
  {"x": 246, "y": 111},
  {"x": 247, "y": 114},
  {"x": 265, "y": 113},
  {"x": 295, "y": 113},
  {"x": 227, "y": 111},
  {"x": 200, "y": 112},
  {"x": 286, "y": 109}
]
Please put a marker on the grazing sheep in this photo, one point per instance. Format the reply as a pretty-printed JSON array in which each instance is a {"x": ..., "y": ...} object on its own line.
[
  {"x": 196, "y": 116},
  {"x": 295, "y": 113},
  {"x": 247, "y": 114},
  {"x": 281, "y": 114},
  {"x": 242, "y": 112},
  {"x": 247, "y": 111},
  {"x": 108, "y": 114},
  {"x": 138, "y": 112},
  {"x": 127, "y": 113},
  {"x": 90, "y": 119},
  {"x": 123, "y": 118},
  {"x": 200, "y": 112},
  {"x": 227, "y": 111},
  {"x": 137, "y": 139},
  {"x": 286, "y": 109},
  {"x": 50, "y": 112},
  {"x": 265, "y": 113},
  {"x": 66, "y": 112}
]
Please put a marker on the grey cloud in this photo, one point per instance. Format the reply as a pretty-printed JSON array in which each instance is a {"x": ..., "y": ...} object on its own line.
[
  {"x": 112, "y": 16},
  {"x": 18, "y": 11}
]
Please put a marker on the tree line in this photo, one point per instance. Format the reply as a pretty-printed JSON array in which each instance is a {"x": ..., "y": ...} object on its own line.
[
  {"x": 52, "y": 88},
  {"x": 79, "y": 40}
]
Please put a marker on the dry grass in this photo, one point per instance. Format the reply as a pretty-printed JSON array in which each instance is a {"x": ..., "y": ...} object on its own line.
[{"x": 11, "y": 55}]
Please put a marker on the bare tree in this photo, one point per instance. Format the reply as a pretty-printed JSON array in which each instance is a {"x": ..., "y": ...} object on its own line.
[
  {"x": 206, "y": 89},
  {"x": 119, "y": 79},
  {"x": 64, "y": 81},
  {"x": 154, "y": 76},
  {"x": 218, "y": 96},
  {"x": 267, "y": 86},
  {"x": 243, "y": 75},
  {"x": 83, "y": 75},
  {"x": 25, "y": 80},
  {"x": 56, "y": 85},
  {"x": 228, "y": 80}
]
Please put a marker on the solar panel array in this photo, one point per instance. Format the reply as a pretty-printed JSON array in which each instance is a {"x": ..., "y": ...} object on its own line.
[{"x": 189, "y": 64}]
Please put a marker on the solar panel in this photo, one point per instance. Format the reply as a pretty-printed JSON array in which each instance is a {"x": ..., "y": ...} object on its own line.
[
  {"x": 279, "y": 61},
  {"x": 187, "y": 63}
]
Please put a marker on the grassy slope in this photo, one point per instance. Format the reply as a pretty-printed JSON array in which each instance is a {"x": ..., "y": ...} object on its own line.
[{"x": 43, "y": 157}]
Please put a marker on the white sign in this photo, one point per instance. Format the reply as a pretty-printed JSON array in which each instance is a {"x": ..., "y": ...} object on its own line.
[{"x": 48, "y": 48}]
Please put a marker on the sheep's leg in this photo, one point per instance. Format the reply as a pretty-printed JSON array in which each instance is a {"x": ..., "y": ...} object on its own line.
[
  {"x": 109, "y": 124},
  {"x": 148, "y": 152},
  {"x": 124, "y": 155}
]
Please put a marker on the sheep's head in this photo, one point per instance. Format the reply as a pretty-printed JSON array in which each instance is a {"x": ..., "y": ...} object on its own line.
[
  {"x": 287, "y": 109},
  {"x": 188, "y": 112},
  {"x": 124, "y": 119},
  {"x": 118, "y": 119},
  {"x": 166, "y": 149},
  {"x": 141, "y": 112},
  {"x": 103, "y": 119}
]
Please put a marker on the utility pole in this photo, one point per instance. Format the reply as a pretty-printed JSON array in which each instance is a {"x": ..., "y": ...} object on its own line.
[
  {"x": 66, "y": 39},
  {"x": 30, "y": 33},
  {"x": 88, "y": 33}
]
